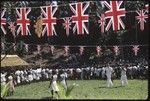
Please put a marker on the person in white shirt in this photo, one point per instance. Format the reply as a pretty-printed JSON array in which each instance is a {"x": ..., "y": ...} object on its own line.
[
  {"x": 53, "y": 84},
  {"x": 63, "y": 77},
  {"x": 3, "y": 78},
  {"x": 11, "y": 85},
  {"x": 109, "y": 71},
  {"x": 123, "y": 77},
  {"x": 18, "y": 76}
]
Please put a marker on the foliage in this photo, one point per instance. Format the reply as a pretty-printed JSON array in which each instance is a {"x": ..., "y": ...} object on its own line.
[
  {"x": 66, "y": 94},
  {"x": 4, "y": 90}
]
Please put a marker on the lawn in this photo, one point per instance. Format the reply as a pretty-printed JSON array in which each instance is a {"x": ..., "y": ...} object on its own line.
[{"x": 87, "y": 89}]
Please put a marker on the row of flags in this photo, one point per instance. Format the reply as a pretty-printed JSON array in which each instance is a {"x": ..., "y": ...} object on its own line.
[
  {"x": 99, "y": 49},
  {"x": 75, "y": 22}
]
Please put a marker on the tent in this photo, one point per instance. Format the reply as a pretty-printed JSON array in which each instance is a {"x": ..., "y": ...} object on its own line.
[{"x": 12, "y": 60}]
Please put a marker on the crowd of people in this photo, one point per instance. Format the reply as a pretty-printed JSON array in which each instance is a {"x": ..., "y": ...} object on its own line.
[{"x": 23, "y": 76}]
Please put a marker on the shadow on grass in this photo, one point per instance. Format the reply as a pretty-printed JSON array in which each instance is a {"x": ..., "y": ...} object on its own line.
[{"x": 47, "y": 98}]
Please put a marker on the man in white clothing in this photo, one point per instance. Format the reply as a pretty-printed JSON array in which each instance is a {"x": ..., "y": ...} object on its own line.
[
  {"x": 123, "y": 77},
  {"x": 109, "y": 71}
]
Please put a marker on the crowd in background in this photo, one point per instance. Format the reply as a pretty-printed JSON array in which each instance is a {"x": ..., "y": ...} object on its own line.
[{"x": 25, "y": 76}]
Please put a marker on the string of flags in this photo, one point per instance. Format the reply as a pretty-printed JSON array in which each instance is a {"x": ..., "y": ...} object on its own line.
[
  {"x": 99, "y": 49},
  {"x": 76, "y": 22}
]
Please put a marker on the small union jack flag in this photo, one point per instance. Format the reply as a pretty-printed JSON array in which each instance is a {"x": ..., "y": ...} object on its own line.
[
  {"x": 141, "y": 17},
  {"x": 67, "y": 24},
  {"x": 136, "y": 49},
  {"x": 52, "y": 49},
  {"x": 114, "y": 15},
  {"x": 3, "y": 20},
  {"x": 26, "y": 47},
  {"x": 12, "y": 27},
  {"x": 81, "y": 49},
  {"x": 116, "y": 50},
  {"x": 79, "y": 17},
  {"x": 38, "y": 48},
  {"x": 66, "y": 50},
  {"x": 98, "y": 48}
]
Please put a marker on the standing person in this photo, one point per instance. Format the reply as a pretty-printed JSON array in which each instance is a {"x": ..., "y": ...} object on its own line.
[
  {"x": 123, "y": 77},
  {"x": 53, "y": 84},
  {"x": 3, "y": 78},
  {"x": 63, "y": 77},
  {"x": 11, "y": 85},
  {"x": 109, "y": 71}
]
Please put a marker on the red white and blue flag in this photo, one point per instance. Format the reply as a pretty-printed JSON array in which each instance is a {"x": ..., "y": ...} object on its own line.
[
  {"x": 67, "y": 24},
  {"x": 22, "y": 21},
  {"x": 3, "y": 20},
  {"x": 116, "y": 50},
  {"x": 79, "y": 18},
  {"x": 136, "y": 49},
  {"x": 102, "y": 22},
  {"x": 114, "y": 15},
  {"x": 141, "y": 18},
  {"x": 49, "y": 20}
]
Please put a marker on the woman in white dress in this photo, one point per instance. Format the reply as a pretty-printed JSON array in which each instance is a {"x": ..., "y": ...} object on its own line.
[{"x": 53, "y": 84}]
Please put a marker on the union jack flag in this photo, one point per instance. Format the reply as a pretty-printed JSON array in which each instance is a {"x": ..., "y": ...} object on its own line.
[
  {"x": 66, "y": 50},
  {"x": 12, "y": 27},
  {"x": 23, "y": 21},
  {"x": 114, "y": 15},
  {"x": 38, "y": 49},
  {"x": 26, "y": 47},
  {"x": 3, "y": 20},
  {"x": 116, "y": 50},
  {"x": 49, "y": 20},
  {"x": 98, "y": 48},
  {"x": 81, "y": 49},
  {"x": 67, "y": 24},
  {"x": 79, "y": 17},
  {"x": 102, "y": 22},
  {"x": 141, "y": 17},
  {"x": 52, "y": 49},
  {"x": 135, "y": 49}
]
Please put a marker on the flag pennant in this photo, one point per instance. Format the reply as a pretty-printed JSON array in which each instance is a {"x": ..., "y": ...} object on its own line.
[
  {"x": 142, "y": 18},
  {"x": 135, "y": 49},
  {"x": 12, "y": 28},
  {"x": 22, "y": 21},
  {"x": 52, "y": 49},
  {"x": 38, "y": 26},
  {"x": 14, "y": 46},
  {"x": 66, "y": 50},
  {"x": 67, "y": 24},
  {"x": 26, "y": 47},
  {"x": 2, "y": 46},
  {"x": 79, "y": 18},
  {"x": 49, "y": 20},
  {"x": 38, "y": 48},
  {"x": 98, "y": 49},
  {"x": 114, "y": 14},
  {"x": 3, "y": 21},
  {"x": 102, "y": 22},
  {"x": 81, "y": 50},
  {"x": 116, "y": 49}
]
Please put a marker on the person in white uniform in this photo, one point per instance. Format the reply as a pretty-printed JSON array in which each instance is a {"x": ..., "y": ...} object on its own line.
[
  {"x": 63, "y": 77},
  {"x": 123, "y": 77},
  {"x": 109, "y": 71},
  {"x": 53, "y": 84},
  {"x": 3, "y": 78}
]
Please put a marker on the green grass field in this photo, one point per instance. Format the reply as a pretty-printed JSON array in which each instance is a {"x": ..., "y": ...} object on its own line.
[{"x": 87, "y": 89}]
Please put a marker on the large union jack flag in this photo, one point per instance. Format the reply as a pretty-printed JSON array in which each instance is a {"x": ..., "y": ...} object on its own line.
[
  {"x": 23, "y": 21},
  {"x": 3, "y": 20},
  {"x": 141, "y": 17},
  {"x": 79, "y": 17},
  {"x": 114, "y": 13},
  {"x": 49, "y": 20}
]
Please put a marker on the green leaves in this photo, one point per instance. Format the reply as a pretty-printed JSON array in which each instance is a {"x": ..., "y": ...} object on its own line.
[{"x": 4, "y": 90}]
